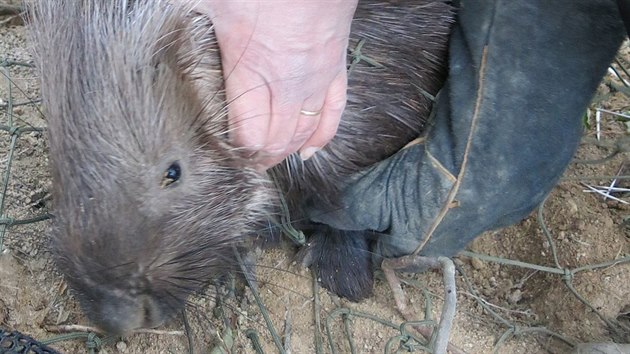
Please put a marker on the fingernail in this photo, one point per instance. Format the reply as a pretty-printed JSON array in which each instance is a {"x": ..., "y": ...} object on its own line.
[{"x": 308, "y": 152}]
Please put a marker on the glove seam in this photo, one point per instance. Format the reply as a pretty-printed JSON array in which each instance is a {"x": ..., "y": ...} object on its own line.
[
  {"x": 440, "y": 167},
  {"x": 448, "y": 203},
  {"x": 417, "y": 141}
]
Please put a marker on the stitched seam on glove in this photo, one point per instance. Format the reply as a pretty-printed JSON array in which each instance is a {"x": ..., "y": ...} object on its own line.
[
  {"x": 438, "y": 166},
  {"x": 449, "y": 203},
  {"x": 416, "y": 141}
]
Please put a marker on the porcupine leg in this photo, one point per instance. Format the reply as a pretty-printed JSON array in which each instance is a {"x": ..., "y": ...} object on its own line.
[{"x": 342, "y": 261}]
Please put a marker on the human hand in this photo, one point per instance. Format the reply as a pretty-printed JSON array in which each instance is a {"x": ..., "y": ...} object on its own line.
[{"x": 284, "y": 64}]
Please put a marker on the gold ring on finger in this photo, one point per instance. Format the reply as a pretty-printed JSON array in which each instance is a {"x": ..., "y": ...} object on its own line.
[{"x": 310, "y": 113}]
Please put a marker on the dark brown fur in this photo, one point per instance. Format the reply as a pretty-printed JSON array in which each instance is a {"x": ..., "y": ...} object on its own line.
[{"x": 130, "y": 87}]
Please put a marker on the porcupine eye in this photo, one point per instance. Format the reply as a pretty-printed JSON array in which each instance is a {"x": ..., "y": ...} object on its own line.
[{"x": 171, "y": 175}]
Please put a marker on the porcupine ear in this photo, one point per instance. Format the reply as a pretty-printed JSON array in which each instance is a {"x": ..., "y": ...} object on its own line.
[
  {"x": 179, "y": 46},
  {"x": 168, "y": 49}
]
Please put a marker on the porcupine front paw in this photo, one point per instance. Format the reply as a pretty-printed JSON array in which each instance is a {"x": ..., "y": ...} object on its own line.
[{"x": 342, "y": 261}]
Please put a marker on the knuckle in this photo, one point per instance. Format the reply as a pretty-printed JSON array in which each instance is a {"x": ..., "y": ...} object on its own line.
[
  {"x": 248, "y": 140},
  {"x": 274, "y": 150},
  {"x": 328, "y": 133},
  {"x": 337, "y": 103}
]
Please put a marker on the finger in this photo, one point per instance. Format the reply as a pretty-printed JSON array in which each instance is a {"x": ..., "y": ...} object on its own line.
[
  {"x": 282, "y": 128},
  {"x": 263, "y": 163},
  {"x": 308, "y": 120},
  {"x": 249, "y": 110},
  {"x": 331, "y": 116}
]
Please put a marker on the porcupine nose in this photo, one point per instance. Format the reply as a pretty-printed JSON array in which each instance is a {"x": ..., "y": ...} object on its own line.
[{"x": 120, "y": 316}]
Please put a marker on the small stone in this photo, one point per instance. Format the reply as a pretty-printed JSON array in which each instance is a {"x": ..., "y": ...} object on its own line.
[
  {"x": 39, "y": 265},
  {"x": 493, "y": 281},
  {"x": 515, "y": 297},
  {"x": 121, "y": 346},
  {"x": 18, "y": 111},
  {"x": 477, "y": 263},
  {"x": 590, "y": 288},
  {"x": 581, "y": 225}
]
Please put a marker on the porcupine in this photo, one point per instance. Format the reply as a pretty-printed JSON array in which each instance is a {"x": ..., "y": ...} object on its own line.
[{"x": 150, "y": 197}]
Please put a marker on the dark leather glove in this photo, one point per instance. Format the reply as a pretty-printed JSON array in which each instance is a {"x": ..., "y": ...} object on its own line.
[{"x": 505, "y": 126}]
